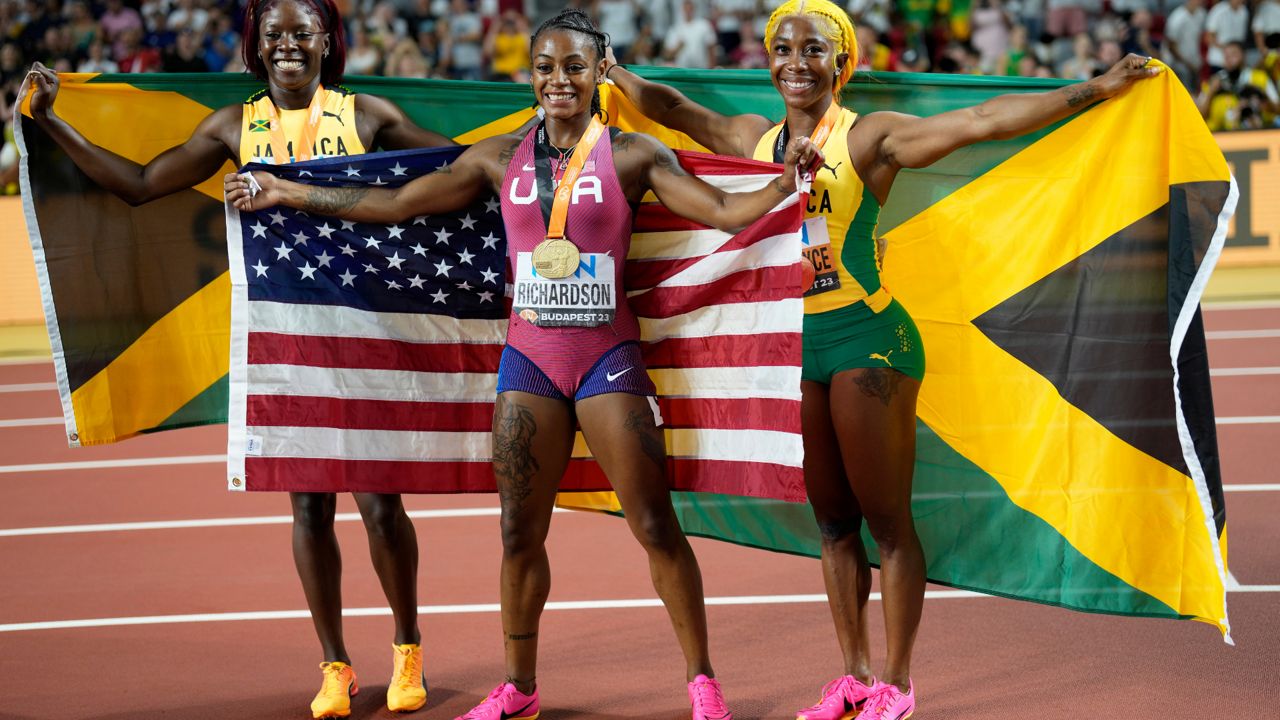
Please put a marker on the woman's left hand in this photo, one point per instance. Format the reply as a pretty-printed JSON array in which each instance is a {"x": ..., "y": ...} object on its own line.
[
  {"x": 801, "y": 155},
  {"x": 1125, "y": 73}
]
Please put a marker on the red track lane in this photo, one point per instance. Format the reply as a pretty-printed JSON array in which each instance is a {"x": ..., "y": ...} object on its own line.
[{"x": 976, "y": 657}]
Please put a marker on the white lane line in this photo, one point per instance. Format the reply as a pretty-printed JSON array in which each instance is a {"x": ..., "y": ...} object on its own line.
[
  {"x": 27, "y": 360},
  {"x": 490, "y": 608},
  {"x": 28, "y": 387},
  {"x": 349, "y": 517},
  {"x": 234, "y": 522},
  {"x": 30, "y": 422},
  {"x": 121, "y": 463},
  {"x": 1241, "y": 334},
  {"x": 1242, "y": 305},
  {"x": 437, "y": 610},
  {"x": 1229, "y": 372},
  {"x": 1249, "y": 420}
]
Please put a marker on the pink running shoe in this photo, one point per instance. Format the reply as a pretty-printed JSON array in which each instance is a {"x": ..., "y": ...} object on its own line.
[
  {"x": 708, "y": 700},
  {"x": 842, "y": 698},
  {"x": 887, "y": 702},
  {"x": 505, "y": 703}
]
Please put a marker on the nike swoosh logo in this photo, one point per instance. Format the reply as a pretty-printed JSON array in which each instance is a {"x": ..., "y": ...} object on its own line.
[
  {"x": 507, "y": 716},
  {"x": 614, "y": 376},
  {"x": 528, "y": 167}
]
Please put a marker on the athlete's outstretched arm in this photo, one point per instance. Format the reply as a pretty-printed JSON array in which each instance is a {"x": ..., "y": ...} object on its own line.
[
  {"x": 450, "y": 188},
  {"x": 689, "y": 197},
  {"x": 734, "y": 135},
  {"x": 891, "y": 141},
  {"x": 175, "y": 169}
]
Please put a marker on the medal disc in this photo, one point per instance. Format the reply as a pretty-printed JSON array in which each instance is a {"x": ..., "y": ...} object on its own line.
[
  {"x": 807, "y": 275},
  {"x": 555, "y": 258}
]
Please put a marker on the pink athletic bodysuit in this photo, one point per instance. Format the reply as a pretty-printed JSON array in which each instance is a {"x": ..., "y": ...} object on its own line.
[{"x": 574, "y": 337}]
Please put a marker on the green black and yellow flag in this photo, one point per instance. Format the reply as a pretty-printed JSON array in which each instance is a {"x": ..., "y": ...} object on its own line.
[{"x": 1066, "y": 444}]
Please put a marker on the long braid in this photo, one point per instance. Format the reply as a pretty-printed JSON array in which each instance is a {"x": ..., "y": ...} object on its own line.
[
  {"x": 577, "y": 21},
  {"x": 837, "y": 28}
]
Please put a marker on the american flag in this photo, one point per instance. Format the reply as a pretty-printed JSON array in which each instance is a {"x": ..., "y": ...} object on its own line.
[{"x": 364, "y": 356}]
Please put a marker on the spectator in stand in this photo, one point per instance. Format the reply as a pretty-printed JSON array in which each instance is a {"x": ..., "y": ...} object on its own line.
[
  {"x": 1226, "y": 23},
  {"x": 97, "y": 60},
  {"x": 644, "y": 51},
  {"x": 465, "y": 48},
  {"x": 872, "y": 54},
  {"x": 620, "y": 19},
  {"x": 1109, "y": 53},
  {"x": 1236, "y": 96},
  {"x": 137, "y": 58},
  {"x": 1139, "y": 40},
  {"x": 55, "y": 46},
  {"x": 406, "y": 61},
  {"x": 362, "y": 57},
  {"x": 750, "y": 52},
  {"x": 186, "y": 16},
  {"x": 912, "y": 60},
  {"x": 116, "y": 21},
  {"x": 870, "y": 12},
  {"x": 989, "y": 24},
  {"x": 1017, "y": 51},
  {"x": 691, "y": 42},
  {"x": 1069, "y": 18},
  {"x": 386, "y": 27},
  {"x": 222, "y": 42},
  {"x": 82, "y": 27},
  {"x": 1029, "y": 14},
  {"x": 158, "y": 35},
  {"x": 185, "y": 56},
  {"x": 727, "y": 17},
  {"x": 1182, "y": 33},
  {"x": 507, "y": 46},
  {"x": 12, "y": 69},
  {"x": 1266, "y": 21},
  {"x": 1081, "y": 65}
]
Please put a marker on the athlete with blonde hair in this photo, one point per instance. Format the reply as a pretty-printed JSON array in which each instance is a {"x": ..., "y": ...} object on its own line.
[{"x": 863, "y": 357}]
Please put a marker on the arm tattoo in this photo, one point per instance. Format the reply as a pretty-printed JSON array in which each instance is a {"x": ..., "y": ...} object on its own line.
[
  {"x": 777, "y": 185},
  {"x": 513, "y": 461},
  {"x": 1078, "y": 95},
  {"x": 664, "y": 159},
  {"x": 332, "y": 201},
  {"x": 623, "y": 142},
  {"x": 879, "y": 383},
  {"x": 650, "y": 437},
  {"x": 508, "y": 152}
]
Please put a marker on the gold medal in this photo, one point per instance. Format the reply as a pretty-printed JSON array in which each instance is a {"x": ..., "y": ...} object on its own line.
[{"x": 555, "y": 258}]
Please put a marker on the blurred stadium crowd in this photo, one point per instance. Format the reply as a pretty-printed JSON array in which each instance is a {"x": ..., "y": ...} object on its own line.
[{"x": 1227, "y": 52}]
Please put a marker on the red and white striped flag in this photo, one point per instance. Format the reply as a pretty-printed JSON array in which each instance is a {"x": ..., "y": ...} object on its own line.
[{"x": 364, "y": 357}]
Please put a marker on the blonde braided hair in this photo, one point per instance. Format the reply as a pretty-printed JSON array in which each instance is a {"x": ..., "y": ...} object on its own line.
[{"x": 834, "y": 24}]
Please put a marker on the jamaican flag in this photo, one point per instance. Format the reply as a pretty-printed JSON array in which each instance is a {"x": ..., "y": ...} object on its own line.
[{"x": 1066, "y": 446}]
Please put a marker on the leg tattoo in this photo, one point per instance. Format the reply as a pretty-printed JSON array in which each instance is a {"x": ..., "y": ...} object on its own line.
[
  {"x": 880, "y": 383},
  {"x": 650, "y": 437},
  {"x": 513, "y": 460}
]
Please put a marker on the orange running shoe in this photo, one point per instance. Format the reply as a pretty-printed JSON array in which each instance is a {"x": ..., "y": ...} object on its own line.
[
  {"x": 408, "y": 689},
  {"x": 334, "y": 698}
]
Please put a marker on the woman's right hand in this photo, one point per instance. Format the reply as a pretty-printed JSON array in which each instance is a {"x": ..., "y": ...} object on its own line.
[
  {"x": 244, "y": 196},
  {"x": 44, "y": 85}
]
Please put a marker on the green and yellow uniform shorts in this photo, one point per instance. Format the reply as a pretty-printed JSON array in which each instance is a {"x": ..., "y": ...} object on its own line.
[{"x": 855, "y": 337}]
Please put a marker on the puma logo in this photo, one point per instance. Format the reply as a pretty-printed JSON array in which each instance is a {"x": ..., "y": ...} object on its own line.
[
  {"x": 885, "y": 358},
  {"x": 833, "y": 169},
  {"x": 335, "y": 116}
]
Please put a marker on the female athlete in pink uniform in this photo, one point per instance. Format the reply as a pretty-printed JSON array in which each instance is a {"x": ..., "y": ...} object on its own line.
[{"x": 571, "y": 352}]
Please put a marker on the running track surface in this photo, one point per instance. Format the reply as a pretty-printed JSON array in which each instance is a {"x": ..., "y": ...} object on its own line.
[{"x": 976, "y": 657}]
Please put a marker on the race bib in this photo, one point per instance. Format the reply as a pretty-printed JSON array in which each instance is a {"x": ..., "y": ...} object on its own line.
[
  {"x": 818, "y": 251},
  {"x": 584, "y": 299}
]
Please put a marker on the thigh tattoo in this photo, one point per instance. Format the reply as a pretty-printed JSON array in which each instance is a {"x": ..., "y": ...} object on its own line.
[
  {"x": 513, "y": 461},
  {"x": 649, "y": 435},
  {"x": 880, "y": 383}
]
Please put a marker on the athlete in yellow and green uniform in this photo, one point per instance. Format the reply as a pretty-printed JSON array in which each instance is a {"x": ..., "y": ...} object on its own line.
[
  {"x": 851, "y": 320},
  {"x": 297, "y": 48},
  {"x": 863, "y": 358}
]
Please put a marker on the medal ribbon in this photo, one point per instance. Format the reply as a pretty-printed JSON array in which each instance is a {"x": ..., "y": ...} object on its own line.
[
  {"x": 280, "y": 146},
  {"x": 555, "y": 208},
  {"x": 819, "y": 136}
]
